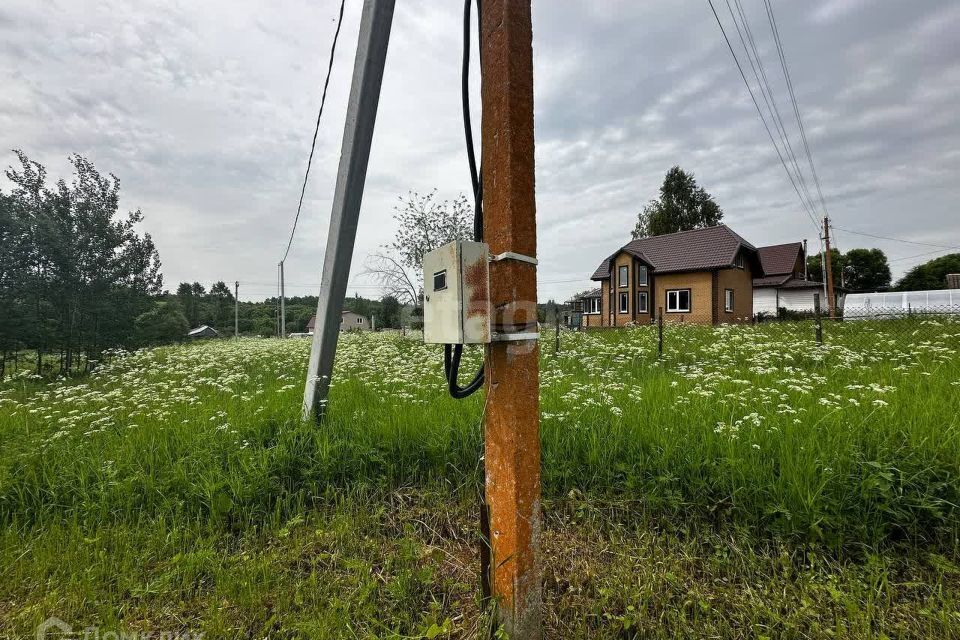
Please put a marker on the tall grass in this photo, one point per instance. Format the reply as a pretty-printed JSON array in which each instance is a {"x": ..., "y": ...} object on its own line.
[{"x": 848, "y": 444}]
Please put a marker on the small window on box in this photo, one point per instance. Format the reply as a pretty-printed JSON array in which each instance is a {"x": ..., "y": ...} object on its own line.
[
  {"x": 642, "y": 302},
  {"x": 641, "y": 276},
  {"x": 624, "y": 276},
  {"x": 624, "y": 302},
  {"x": 728, "y": 300},
  {"x": 359, "y": 320},
  {"x": 440, "y": 280}
]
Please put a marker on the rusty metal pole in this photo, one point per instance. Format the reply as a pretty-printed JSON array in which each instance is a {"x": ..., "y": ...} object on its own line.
[{"x": 512, "y": 420}]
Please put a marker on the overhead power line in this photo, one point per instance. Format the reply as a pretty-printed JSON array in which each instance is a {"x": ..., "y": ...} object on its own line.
[
  {"x": 919, "y": 255},
  {"x": 905, "y": 241},
  {"x": 313, "y": 144},
  {"x": 766, "y": 91},
  {"x": 763, "y": 119},
  {"x": 793, "y": 100}
]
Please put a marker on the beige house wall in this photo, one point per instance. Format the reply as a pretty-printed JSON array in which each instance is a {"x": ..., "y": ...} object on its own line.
[
  {"x": 741, "y": 281},
  {"x": 700, "y": 284}
]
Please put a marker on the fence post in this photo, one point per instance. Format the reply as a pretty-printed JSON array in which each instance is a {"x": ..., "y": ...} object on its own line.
[
  {"x": 556, "y": 346},
  {"x": 819, "y": 317},
  {"x": 659, "y": 333}
]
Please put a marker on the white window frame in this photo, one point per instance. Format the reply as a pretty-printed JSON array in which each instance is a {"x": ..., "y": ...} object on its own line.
[
  {"x": 728, "y": 300},
  {"x": 642, "y": 270},
  {"x": 591, "y": 306},
  {"x": 623, "y": 276},
  {"x": 623, "y": 306},
  {"x": 359, "y": 320},
  {"x": 643, "y": 302},
  {"x": 675, "y": 308},
  {"x": 738, "y": 260}
]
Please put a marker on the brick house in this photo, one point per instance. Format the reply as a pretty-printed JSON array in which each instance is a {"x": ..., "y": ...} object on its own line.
[{"x": 704, "y": 276}]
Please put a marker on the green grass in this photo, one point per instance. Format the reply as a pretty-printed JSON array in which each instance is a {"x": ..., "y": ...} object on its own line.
[{"x": 750, "y": 483}]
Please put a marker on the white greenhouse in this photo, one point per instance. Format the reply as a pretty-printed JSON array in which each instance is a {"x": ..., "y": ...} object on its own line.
[{"x": 861, "y": 306}]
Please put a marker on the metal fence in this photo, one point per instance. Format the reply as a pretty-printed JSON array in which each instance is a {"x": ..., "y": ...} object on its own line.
[{"x": 853, "y": 328}]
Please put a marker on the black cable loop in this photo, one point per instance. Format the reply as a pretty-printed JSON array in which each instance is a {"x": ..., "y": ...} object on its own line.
[{"x": 453, "y": 353}]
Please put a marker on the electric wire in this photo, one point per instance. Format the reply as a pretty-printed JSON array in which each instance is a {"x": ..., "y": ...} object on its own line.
[
  {"x": 879, "y": 237},
  {"x": 766, "y": 91},
  {"x": 453, "y": 353},
  {"x": 771, "y": 18},
  {"x": 760, "y": 113},
  {"x": 313, "y": 144}
]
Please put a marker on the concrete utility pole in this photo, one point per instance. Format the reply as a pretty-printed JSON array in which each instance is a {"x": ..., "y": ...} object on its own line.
[
  {"x": 283, "y": 305},
  {"x": 830, "y": 297},
  {"x": 512, "y": 422},
  {"x": 805, "y": 274},
  {"x": 236, "y": 309},
  {"x": 375, "y": 22}
]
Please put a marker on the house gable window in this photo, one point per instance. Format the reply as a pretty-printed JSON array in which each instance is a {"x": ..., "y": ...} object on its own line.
[
  {"x": 728, "y": 300},
  {"x": 738, "y": 261},
  {"x": 641, "y": 276},
  {"x": 624, "y": 302},
  {"x": 678, "y": 301},
  {"x": 642, "y": 306},
  {"x": 624, "y": 277}
]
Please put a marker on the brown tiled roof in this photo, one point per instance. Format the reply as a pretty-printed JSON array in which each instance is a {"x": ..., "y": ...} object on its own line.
[
  {"x": 779, "y": 258},
  {"x": 695, "y": 250},
  {"x": 786, "y": 282},
  {"x": 771, "y": 281}
]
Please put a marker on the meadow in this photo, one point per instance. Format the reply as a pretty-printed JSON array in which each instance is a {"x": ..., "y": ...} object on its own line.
[{"x": 750, "y": 483}]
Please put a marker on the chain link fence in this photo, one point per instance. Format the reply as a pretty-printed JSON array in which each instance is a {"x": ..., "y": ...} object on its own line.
[{"x": 859, "y": 329}]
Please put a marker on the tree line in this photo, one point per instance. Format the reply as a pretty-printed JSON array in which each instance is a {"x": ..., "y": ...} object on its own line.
[{"x": 74, "y": 271}]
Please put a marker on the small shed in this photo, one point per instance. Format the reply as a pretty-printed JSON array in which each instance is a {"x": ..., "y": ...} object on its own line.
[{"x": 203, "y": 331}]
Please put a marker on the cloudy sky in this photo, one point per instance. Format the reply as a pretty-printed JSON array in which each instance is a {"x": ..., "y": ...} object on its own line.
[{"x": 205, "y": 111}]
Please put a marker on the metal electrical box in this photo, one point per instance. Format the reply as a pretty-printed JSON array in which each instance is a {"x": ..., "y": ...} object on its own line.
[{"x": 456, "y": 294}]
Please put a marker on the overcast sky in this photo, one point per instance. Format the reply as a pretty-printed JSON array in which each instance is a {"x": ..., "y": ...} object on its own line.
[{"x": 205, "y": 111}]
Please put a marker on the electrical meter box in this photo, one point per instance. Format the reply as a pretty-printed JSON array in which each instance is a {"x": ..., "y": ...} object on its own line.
[{"x": 456, "y": 294}]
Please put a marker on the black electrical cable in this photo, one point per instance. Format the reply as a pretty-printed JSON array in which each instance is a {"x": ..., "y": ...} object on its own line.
[{"x": 453, "y": 353}]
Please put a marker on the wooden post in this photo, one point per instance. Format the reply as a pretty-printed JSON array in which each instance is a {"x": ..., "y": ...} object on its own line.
[
  {"x": 236, "y": 309},
  {"x": 512, "y": 422},
  {"x": 830, "y": 295},
  {"x": 819, "y": 318},
  {"x": 659, "y": 332},
  {"x": 283, "y": 305},
  {"x": 556, "y": 343}
]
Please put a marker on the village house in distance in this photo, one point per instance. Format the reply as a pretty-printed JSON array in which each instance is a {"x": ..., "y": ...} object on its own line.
[
  {"x": 349, "y": 321},
  {"x": 704, "y": 276}
]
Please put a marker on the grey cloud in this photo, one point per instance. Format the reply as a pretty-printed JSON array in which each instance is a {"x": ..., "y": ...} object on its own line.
[{"x": 205, "y": 111}]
